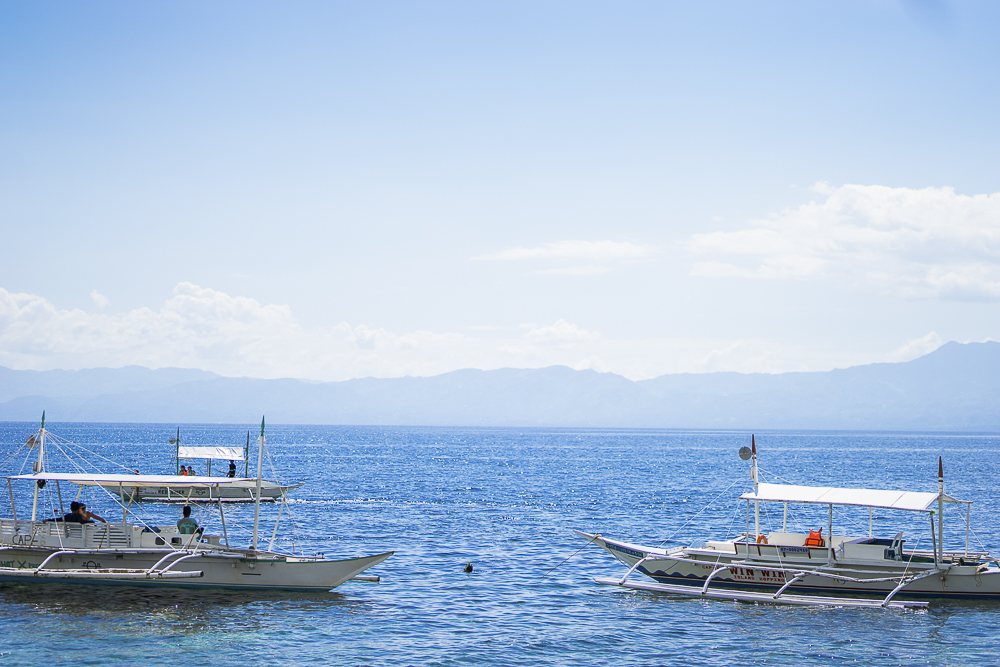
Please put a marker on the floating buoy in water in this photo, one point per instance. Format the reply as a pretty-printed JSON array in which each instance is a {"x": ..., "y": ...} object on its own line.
[{"x": 468, "y": 568}]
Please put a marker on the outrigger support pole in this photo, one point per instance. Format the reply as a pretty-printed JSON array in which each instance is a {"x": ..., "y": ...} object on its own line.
[
  {"x": 634, "y": 567},
  {"x": 904, "y": 582},
  {"x": 718, "y": 570},
  {"x": 798, "y": 577}
]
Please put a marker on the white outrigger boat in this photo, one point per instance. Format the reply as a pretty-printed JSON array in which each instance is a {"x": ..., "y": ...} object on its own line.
[
  {"x": 811, "y": 569},
  {"x": 135, "y": 553},
  {"x": 235, "y": 489}
]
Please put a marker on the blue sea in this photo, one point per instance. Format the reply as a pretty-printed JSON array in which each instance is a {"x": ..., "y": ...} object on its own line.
[{"x": 505, "y": 500}]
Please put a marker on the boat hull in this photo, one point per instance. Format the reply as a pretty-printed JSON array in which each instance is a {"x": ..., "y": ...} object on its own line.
[
  {"x": 231, "y": 570},
  {"x": 739, "y": 571}
]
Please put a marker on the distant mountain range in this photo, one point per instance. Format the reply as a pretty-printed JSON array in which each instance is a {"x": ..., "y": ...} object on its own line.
[{"x": 955, "y": 388}]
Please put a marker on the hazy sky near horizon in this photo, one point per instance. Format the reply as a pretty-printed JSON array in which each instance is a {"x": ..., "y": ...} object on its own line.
[{"x": 334, "y": 190}]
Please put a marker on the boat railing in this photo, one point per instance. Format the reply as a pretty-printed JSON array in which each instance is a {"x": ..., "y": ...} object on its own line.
[{"x": 65, "y": 534}]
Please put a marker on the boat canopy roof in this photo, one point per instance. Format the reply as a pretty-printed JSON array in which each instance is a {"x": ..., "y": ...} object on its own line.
[
  {"x": 86, "y": 479},
  {"x": 914, "y": 501},
  {"x": 230, "y": 453}
]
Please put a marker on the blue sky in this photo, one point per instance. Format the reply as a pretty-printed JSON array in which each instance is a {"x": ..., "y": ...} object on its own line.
[{"x": 333, "y": 190}]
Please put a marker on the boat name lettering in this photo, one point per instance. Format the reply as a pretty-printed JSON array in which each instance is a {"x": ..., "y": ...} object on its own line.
[
  {"x": 749, "y": 574},
  {"x": 21, "y": 539},
  {"x": 19, "y": 564},
  {"x": 628, "y": 552}
]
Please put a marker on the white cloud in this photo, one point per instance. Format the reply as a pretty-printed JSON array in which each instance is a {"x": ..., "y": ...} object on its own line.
[
  {"x": 100, "y": 300},
  {"x": 916, "y": 348},
  {"x": 199, "y": 327},
  {"x": 592, "y": 251},
  {"x": 585, "y": 270},
  {"x": 560, "y": 333},
  {"x": 928, "y": 243}
]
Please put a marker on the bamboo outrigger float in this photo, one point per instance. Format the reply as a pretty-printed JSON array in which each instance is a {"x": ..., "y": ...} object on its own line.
[
  {"x": 808, "y": 569},
  {"x": 136, "y": 553}
]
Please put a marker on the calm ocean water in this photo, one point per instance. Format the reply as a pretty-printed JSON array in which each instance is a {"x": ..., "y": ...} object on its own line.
[{"x": 506, "y": 500}]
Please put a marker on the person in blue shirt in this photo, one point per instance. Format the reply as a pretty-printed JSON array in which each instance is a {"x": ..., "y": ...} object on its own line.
[{"x": 186, "y": 525}]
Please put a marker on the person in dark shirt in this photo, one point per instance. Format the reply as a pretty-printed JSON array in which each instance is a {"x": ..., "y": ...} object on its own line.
[
  {"x": 232, "y": 469},
  {"x": 74, "y": 513}
]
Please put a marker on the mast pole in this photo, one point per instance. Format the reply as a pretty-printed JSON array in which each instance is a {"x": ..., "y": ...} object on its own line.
[
  {"x": 256, "y": 506},
  {"x": 829, "y": 536},
  {"x": 940, "y": 510},
  {"x": 246, "y": 457},
  {"x": 177, "y": 458},
  {"x": 753, "y": 472},
  {"x": 39, "y": 466}
]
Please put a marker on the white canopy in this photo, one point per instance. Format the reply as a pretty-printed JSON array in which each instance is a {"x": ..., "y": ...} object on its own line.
[
  {"x": 913, "y": 501},
  {"x": 133, "y": 480},
  {"x": 231, "y": 453}
]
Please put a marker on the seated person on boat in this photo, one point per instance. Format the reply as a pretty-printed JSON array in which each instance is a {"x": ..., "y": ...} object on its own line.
[
  {"x": 79, "y": 514},
  {"x": 186, "y": 525},
  {"x": 86, "y": 516}
]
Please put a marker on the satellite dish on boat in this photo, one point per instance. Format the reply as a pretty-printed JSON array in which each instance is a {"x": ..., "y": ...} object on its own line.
[
  {"x": 32, "y": 441},
  {"x": 745, "y": 453},
  {"x": 173, "y": 441}
]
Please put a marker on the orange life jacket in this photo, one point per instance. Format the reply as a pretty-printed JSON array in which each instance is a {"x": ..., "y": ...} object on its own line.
[{"x": 815, "y": 538}]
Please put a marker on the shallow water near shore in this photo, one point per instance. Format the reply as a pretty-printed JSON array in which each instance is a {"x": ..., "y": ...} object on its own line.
[{"x": 506, "y": 501}]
